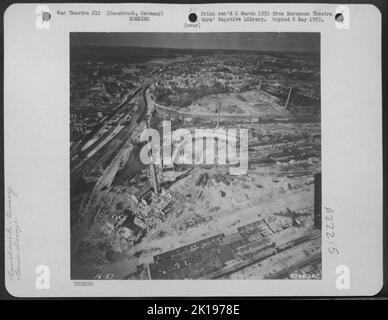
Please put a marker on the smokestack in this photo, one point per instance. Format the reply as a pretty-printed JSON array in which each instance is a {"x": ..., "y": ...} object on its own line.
[
  {"x": 311, "y": 138},
  {"x": 288, "y": 98},
  {"x": 219, "y": 114},
  {"x": 154, "y": 178}
]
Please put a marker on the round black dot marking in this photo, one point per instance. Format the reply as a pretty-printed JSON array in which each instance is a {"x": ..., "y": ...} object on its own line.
[
  {"x": 193, "y": 17},
  {"x": 339, "y": 17},
  {"x": 46, "y": 16}
]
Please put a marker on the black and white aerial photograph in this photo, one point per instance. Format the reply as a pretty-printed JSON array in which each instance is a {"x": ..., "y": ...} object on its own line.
[{"x": 195, "y": 156}]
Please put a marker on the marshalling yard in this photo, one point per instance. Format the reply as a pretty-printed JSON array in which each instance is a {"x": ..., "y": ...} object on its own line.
[{"x": 197, "y": 221}]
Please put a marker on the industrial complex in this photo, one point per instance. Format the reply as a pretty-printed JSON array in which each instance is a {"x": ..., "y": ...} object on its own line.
[{"x": 182, "y": 220}]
